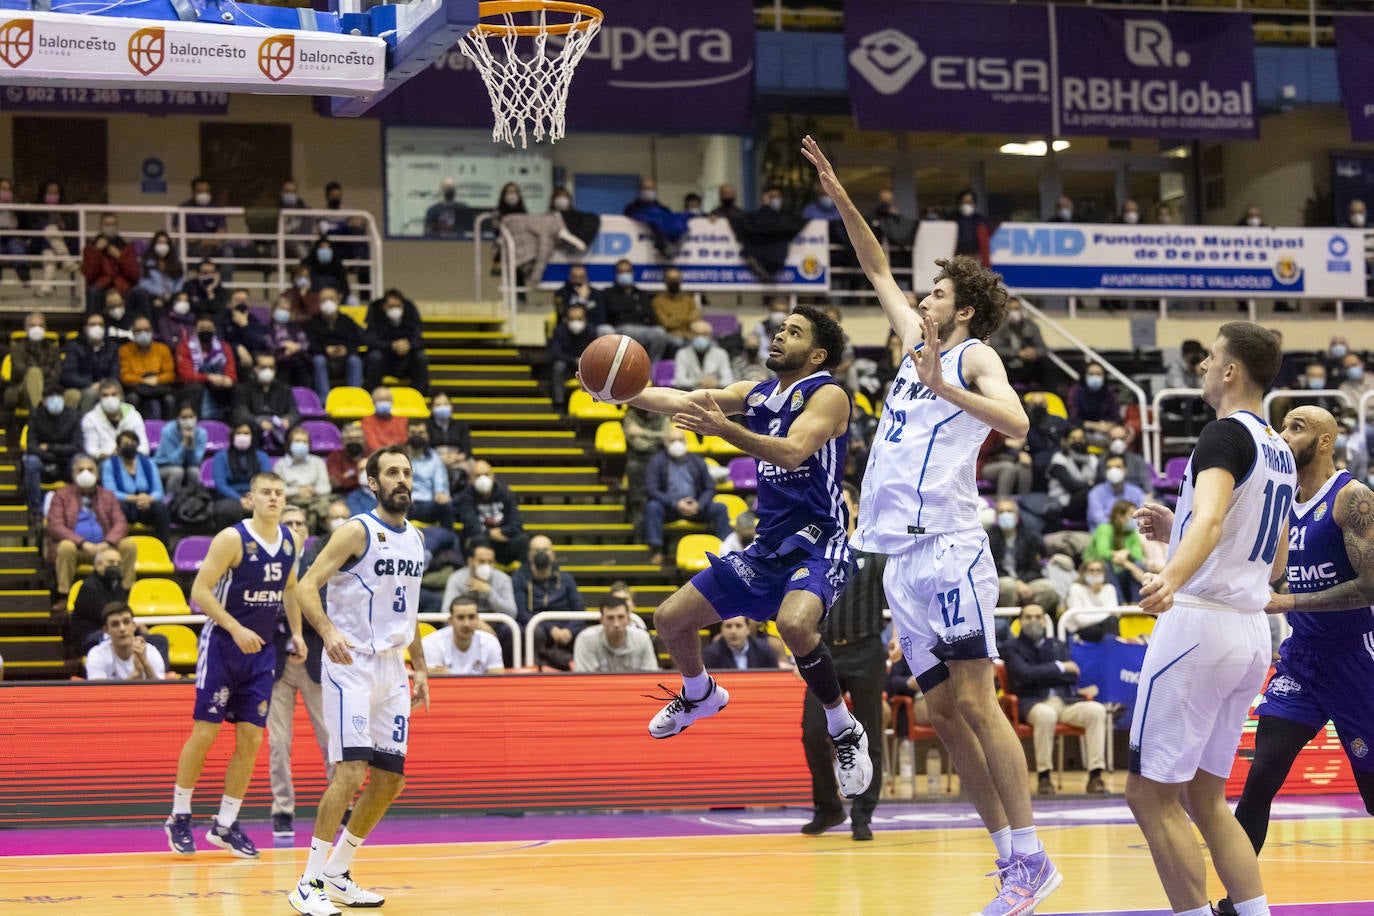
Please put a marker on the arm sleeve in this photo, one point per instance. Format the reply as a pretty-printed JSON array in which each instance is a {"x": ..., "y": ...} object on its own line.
[
  {"x": 493, "y": 659},
  {"x": 502, "y": 598},
  {"x": 1225, "y": 444},
  {"x": 584, "y": 657},
  {"x": 96, "y": 670},
  {"x": 110, "y": 481},
  {"x": 154, "y": 480}
]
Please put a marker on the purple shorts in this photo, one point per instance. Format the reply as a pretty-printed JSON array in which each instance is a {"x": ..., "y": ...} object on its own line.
[
  {"x": 752, "y": 585},
  {"x": 231, "y": 686},
  {"x": 1315, "y": 682}
]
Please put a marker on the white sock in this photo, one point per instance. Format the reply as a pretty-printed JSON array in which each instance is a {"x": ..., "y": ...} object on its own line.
[
  {"x": 342, "y": 856},
  {"x": 1023, "y": 842},
  {"x": 838, "y": 719},
  {"x": 1200, "y": 911},
  {"x": 695, "y": 687},
  {"x": 181, "y": 800},
  {"x": 228, "y": 811},
  {"x": 1002, "y": 840},
  {"x": 314, "y": 865},
  {"x": 1257, "y": 907}
]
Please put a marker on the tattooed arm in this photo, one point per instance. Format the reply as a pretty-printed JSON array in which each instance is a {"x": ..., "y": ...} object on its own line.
[{"x": 1354, "y": 513}]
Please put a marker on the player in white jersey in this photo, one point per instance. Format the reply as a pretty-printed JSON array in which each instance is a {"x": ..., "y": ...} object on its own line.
[
  {"x": 919, "y": 505},
  {"x": 1208, "y": 656},
  {"x": 372, "y": 565}
]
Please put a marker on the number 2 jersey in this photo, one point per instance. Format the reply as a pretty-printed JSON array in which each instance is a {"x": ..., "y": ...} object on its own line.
[
  {"x": 1317, "y": 560},
  {"x": 252, "y": 591},
  {"x": 1238, "y": 570},
  {"x": 374, "y": 599}
]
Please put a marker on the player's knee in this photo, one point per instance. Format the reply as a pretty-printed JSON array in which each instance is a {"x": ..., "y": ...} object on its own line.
[
  {"x": 389, "y": 783},
  {"x": 350, "y": 775},
  {"x": 248, "y": 740}
]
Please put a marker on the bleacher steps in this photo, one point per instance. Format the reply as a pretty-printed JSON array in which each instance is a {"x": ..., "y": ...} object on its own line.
[{"x": 593, "y": 514}]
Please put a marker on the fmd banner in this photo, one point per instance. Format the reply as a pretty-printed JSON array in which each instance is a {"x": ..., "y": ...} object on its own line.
[
  {"x": 1354, "y": 51},
  {"x": 1201, "y": 261},
  {"x": 1050, "y": 70}
]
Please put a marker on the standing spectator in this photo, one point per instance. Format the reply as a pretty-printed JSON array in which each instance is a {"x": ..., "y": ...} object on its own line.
[
  {"x": 54, "y": 440},
  {"x": 703, "y": 364},
  {"x": 207, "y": 225},
  {"x": 176, "y": 322},
  {"x": 56, "y": 244},
  {"x": 233, "y": 470},
  {"x": 666, "y": 228},
  {"x": 135, "y": 482},
  {"x": 444, "y": 430},
  {"x": 823, "y": 207},
  {"x": 1018, "y": 555},
  {"x": 108, "y": 262},
  {"x": 489, "y": 512},
  {"x": 430, "y": 500},
  {"x": 208, "y": 370},
  {"x": 765, "y": 234},
  {"x": 1252, "y": 217},
  {"x": 727, "y": 202},
  {"x": 181, "y": 452},
  {"x": 83, "y": 629},
  {"x": 482, "y": 582},
  {"x": 83, "y": 518},
  {"x": 1092, "y": 590},
  {"x": 612, "y": 646},
  {"x": 540, "y": 585},
  {"x": 395, "y": 342},
  {"x": 161, "y": 272},
  {"x": 336, "y": 344},
  {"x": 325, "y": 263},
  {"x": 306, "y": 479},
  {"x": 290, "y": 346},
  {"x": 674, "y": 309},
  {"x": 691, "y": 204},
  {"x": 463, "y": 647},
  {"x": 1103, "y": 497},
  {"x": 571, "y": 336},
  {"x": 383, "y": 428},
  {"x": 88, "y": 361},
  {"x": 11, "y": 244},
  {"x": 147, "y": 371},
  {"x": 35, "y": 363},
  {"x": 578, "y": 291},
  {"x": 679, "y": 486},
  {"x": 887, "y": 221},
  {"x": 972, "y": 236},
  {"x": 207, "y": 290},
  {"x": 1138, "y": 470},
  {"x": 1092, "y": 405},
  {"x": 245, "y": 334},
  {"x": 645, "y": 435},
  {"x": 1019, "y": 343},
  {"x": 630, "y": 311},
  {"x": 1130, "y": 213},
  {"x": 289, "y": 198},
  {"x": 738, "y": 647},
  {"x": 1117, "y": 542},
  {"x": 1071, "y": 474},
  {"x": 1163, "y": 214},
  {"x": 1063, "y": 210},
  {"x": 267, "y": 404},
  {"x": 125, "y": 656},
  {"x": 101, "y": 425}
]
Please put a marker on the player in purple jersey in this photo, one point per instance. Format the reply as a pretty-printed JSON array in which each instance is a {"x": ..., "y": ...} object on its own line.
[{"x": 240, "y": 587}]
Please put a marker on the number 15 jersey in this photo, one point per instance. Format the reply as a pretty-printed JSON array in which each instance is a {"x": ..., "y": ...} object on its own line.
[{"x": 373, "y": 600}]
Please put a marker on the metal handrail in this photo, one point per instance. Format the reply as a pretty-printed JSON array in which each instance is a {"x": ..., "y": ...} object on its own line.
[
  {"x": 1364, "y": 414},
  {"x": 477, "y": 251},
  {"x": 1300, "y": 393},
  {"x": 1155, "y": 410},
  {"x": 543, "y": 616}
]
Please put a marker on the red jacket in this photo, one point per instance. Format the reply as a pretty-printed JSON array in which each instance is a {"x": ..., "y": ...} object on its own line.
[
  {"x": 66, "y": 507},
  {"x": 186, "y": 368},
  {"x": 102, "y": 271}
]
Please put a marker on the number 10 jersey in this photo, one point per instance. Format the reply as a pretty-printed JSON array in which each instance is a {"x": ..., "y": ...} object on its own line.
[{"x": 373, "y": 600}]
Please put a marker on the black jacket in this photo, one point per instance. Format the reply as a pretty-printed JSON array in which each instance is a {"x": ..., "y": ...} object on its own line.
[
  {"x": 91, "y": 599},
  {"x": 61, "y": 434},
  {"x": 1029, "y": 550},
  {"x": 381, "y": 332},
  {"x": 344, "y": 330},
  {"x": 628, "y": 305},
  {"x": 83, "y": 365},
  {"x": 252, "y": 403},
  {"x": 565, "y": 346},
  {"x": 499, "y": 507},
  {"x": 758, "y": 654},
  {"x": 1032, "y": 673}
]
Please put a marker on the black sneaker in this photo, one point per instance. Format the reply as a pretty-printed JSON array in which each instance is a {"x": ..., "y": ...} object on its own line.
[
  {"x": 281, "y": 826},
  {"x": 821, "y": 822},
  {"x": 1225, "y": 907},
  {"x": 861, "y": 831},
  {"x": 232, "y": 839},
  {"x": 178, "y": 829}
]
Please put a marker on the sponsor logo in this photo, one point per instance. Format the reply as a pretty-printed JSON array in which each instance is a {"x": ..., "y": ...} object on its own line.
[
  {"x": 811, "y": 268},
  {"x": 262, "y": 596},
  {"x": 798, "y": 400},
  {"x": 16, "y": 41},
  {"x": 393, "y": 566},
  {"x": 1031, "y": 243},
  {"x": 147, "y": 49},
  {"x": 1149, "y": 44},
  {"x": 1287, "y": 270},
  {"x": 359, "y": 724},
  {"x": 262, "y": 708},
  {"x": 288, "y": 547},
  {"x": 381, "y": 537},
  {"x": 1283, "y": 686},
  {"x": 800, "y": 574},
  {"x": 888, "y": 60},
  {"x": 218, "y": 701},
  {"x": 253, "y": 548},
  {"x": 742, "y": 569},
  {"x": 1359, "y": 748},
  {"x": 1319, "y": 513},
  {"x": 277, "y": 57}
]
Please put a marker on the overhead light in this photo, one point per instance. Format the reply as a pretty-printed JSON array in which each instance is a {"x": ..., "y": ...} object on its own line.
[{"x": 1033, "y": 148}]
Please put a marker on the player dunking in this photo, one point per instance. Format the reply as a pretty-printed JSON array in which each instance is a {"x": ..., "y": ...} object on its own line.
[
  {"x": 919, "y": 506},
  {"x": 372, "y": 565},
  {"x": 247, "y": 574},
  {"x": 1209, "y": 654},
  {"x": 797, "y": 426}
]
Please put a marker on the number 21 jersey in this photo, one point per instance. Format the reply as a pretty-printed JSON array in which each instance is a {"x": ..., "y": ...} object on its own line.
[{"x": 373, "y": 600}]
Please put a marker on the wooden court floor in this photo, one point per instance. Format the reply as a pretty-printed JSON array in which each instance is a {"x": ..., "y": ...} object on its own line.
[{"x": 1315, "y": 866}]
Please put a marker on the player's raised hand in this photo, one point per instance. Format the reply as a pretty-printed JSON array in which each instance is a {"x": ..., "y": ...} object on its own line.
[
  {"x": 1156, "y": 595},
  {"x": 420, "y": 692},
  {"x": 336, "y": 646},
  {"x": 249, "y": 643},
  {"x": 824, "y": 170},
  {"x": 703, "y": 419},
  {"x": 927, "y": 358},
  {"x": 1155, "y": 522}
]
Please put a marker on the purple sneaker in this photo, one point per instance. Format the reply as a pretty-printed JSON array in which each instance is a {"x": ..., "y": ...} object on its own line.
[{"x": 1026, "y": 882}]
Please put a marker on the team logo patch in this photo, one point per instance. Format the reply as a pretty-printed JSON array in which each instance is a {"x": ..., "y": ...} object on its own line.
[
  {"x": 801, "y": 573},
  {"x": 1283, "y": 686},
  {"x": 288, "y": 547},
  {"x": 219, "y": 700},
  {"x": 757, "y": 398},
  {"x": 1359, "y": 748},
  {"x": 905, "y": 642},
  {"x": 381, "y": 537},
  {"x": 359, "y": 724},
  {"x": 797, "y": 401},
  {"x": 262, "y": 708},
  {"x": 1319, "y": 513},
  {"x": 253, "y": 549}
]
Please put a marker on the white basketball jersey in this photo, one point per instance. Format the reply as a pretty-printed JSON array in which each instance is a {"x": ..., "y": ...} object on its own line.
[
  {"x": 1237, "y": 572},
  {"x": 373, "y": 600},
  {"x": 920, "y": 477}
]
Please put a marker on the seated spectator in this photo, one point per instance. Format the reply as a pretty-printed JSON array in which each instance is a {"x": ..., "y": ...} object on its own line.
[
  {"x": 1044, "y": 439},
  {"x": 1316, "y": 380},
  {"x": 241, "y": 329},
  {"x": 306, "y": 478},
  {"x": 162, "y": 273},
  {"x": 1071, "y": 474},
  {"x": 1253, "y": 216},
  {"x": 1092, "y": 405},
  {"x": 35, "y": 363},
  {"x": 612, "y": 646},
  {"x": 395, "y": 342},
  {"x": 125, "y": 656},
  {"x": 1137, "y": 468},
  {"x": 972, "y": 237},
  {"x": 539, "y": 584},
  {"x": 1117, "y": 541},
  {"x": 1018, "y": 555},
  {"x": 770, "y": 324},
  {"x": 666, "y": 228},
  {"x": 577, "y": 291},
  {"x": 1116, "y": 488},
  {"x": 1022, "y": 349},
  {"x": 345, "y": 465},
  {"x": 105, "y": 584},
  {"x": 181, "y": 452},
  {"x": 571, "y": 336},
  {"x": 1336, "y": 351},
  {"x": 207, "y": 224},
  {"x": 267, "y": 404},
  {"x": 119, "y": 320},
  {"x": 106, "y": 420},
  {"x": 325, "y": 263},
  {"x": 674, "y": 309},
  {"x": 176, "y": 322},
  {"x": 89, "y": 360},
  {"x": 12, "y": 243},
  {"x": 678, "y": 486},
  {"x": 823, "y": 207},
  {"x": 1163, "y": 214},
  {"x": 108, "y": 262},
  {"x": 630, "y": 311},
  {"x": 304, "y": 300},
  {"x": 490, "y": 513},
  {"x": 748, "y": 366},
  {"x": 382, "y": 428},
  {"x": 84, "y": 517},
  {"x": 745, "y": 528},
  {"x": 335, "y": 516},
  {"x": 580, "y": 227},
  {"x": 765, "y": 234},
  {"x": 482, "y": 582},
  {"x": 1008, "y": 469},
  {"x": 135, "y": 482},
  {"x": 206, "y": 290},
  {"x": 463, "y": 647},
  {"x": 54, "y": 440},
  {"x": 336, "y": 344},
  {"x": 1042, "y": 674},
  {"x": 233, "y": 470},
  {"x": 704, "y": 364},
  {"x": 458, "y": 465},
  {"x": 445, "y": 431},
  {"x": 289, "y": 198},
  {"x": 1092, "y": 590},
  {"x": 289, "y": 345},
  {"x": 645, "y": 434},
  {"x": 208, "y": 371},
  {"x": 738, "y": 647},
  {"x": 888, "y": 222},
  {"x": 430, "y": 499},
  {"x": 1355, "y": 381},
  {"x": 148, "y": 372}
]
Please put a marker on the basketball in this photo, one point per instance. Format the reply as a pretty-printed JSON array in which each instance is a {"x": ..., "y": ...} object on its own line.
[{"x": 615, "y": 368}]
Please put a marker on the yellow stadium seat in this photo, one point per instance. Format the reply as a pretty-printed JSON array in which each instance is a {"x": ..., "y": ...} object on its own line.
[
  {"x": 1054, "y": 404},
  {"x": 182, "y": 643},
  {"x": 152, "y": 557},
  {"x": 71, "y": 596},
  {"x": 610, "y": 438},
  {"x": 692, "y": 551},
  {"x": 6, "y": 368},
  {"x": 864, "y": 403},
  {"x": 424, "y": 629},
  {"x": 357, "y": 312},
  {"x": 23, "y": 435},
  {"x": 583, "y": 407},
  {"x": 694, "y": 446},
  {"x": 715, "y": 445},
  {"x": 157, "y": 597},
  {"x": 408, "y": 403},
  {"x": 733, "y": 503},
  {"x": 1135, "y": 626},
  {"x": 347, "y": 403}
]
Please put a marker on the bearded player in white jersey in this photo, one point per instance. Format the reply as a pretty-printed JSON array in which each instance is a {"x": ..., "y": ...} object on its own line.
[
  {"x": 1208, "y": 656},
  {"x": 372, "y": 565},
  {"x": 919, "y": 506}
]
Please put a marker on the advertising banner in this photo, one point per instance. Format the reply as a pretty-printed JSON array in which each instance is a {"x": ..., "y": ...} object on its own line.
[
  {"x": 95, "y": 97},
  {"x": 1190, "y": 261},
  {"x": 57, "y": 49},
  {"x": 710, "y": 258},
  {"x": 1354, "y": 51}
]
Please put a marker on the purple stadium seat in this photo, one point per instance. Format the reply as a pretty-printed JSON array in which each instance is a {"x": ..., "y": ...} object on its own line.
[
  {"x": 309, "y": 543},
  {"x": 721, "y": 325},
  {"x": 324, "y": 436},
  {"x": 260, "y": 312},
  {"x": 309, "y": 403},
  {"x": 153, "y": 429},
  {"x": 217, "y": 435},
  {"x": 1173, "y": 475},
  {"x": 744, "y": 473},
  {"x": 663, "y": 373},
  {"x": 207, "y": 474},
  {"x": 190, "y": 553}
]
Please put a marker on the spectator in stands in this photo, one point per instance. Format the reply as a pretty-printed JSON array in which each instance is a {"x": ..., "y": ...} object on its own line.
[
  {"x": 645, "y": 435},
  {"x": 181, "y": 452},
  {"x": 540, "y": 585},
  {"x": 444, "y": 430},
  {"x": 1336, "y": 351},
  {"x": 571, "y": 336},
  {"x": 463, "y": 647},
  {"x": 304, "y": 300},
  {"x": 335, "y": 346},
  {"x": 430, "y": 498},
  {"x": 89, "y": 360},
  {"x": 765, "y": 234},
  {"x": 54, "y": 439},
  {"x": 241, "y": 329},
  {"x": 395, "y": 342},
  {"x": 704, "y": 363},
  {"x": 344, "y": 466},
  {"x": 108, "y": 262},
  {"x": 1253, "y": 217},
  {"x": 105, "y": 584},
  {"x": 207, "y": 290},
  {"x": 727, "y": 202},
  {"x": 102, "y": 424},
  {"x": 448, "y": 218},
  {"x": 56, "y": 245},
  {"x": 1138, "y": 470},
  {"x": 289, "y": 198},
  {"x": 1071, "y": 474},
  {"x": 1019, "y": 555},
  {"x": 1008, "y": 469},
  {"x": 383, "y": 428},
  {"x": 125, "y": 656},
  {"x": 267, "y": 404},
  {"x": 1315, "y": 379},
  {"x": 887, "y": 221},
  {"x": 1117, "y": 541},
  {"x": 743, "y": 532},
  {"x": 233, "y": 470},
  {"x": 1022, "y": 349},
  {"x": 84, "y": 517},
  {"x": 510, "y": 200},
  {"x": 35, "y": 363},
  {"x": 823, "y": 207},
  {"x": 1355, "y": 382},
  {"x": 748, "y": 366},
  {"x": 161, "y": 272},
  {"x": 1163, "y": 214},
  {"x": 666, "y": 228},
  {"x": 630, "y": 311},
  {"x": 692, "y": 204},
  {"x": 1092, "y": 405},
  {"x": 577, "y": 291},
  {"x": 488, "y": 511},
  {"x": 612, "y": 646},
  {"x": 289, "y": 345},
  {"x": 674, "y": 309},
  {"x": 1042, "y": 674},
  {"x": 325, "y": 263},
  {"x": 738, "y": 647},
  {"x": 176, "y": 322},
  {"x": 306, "y": 478},
  {"x": 135, "y": 482},
  {"x": 1093, "y": 590},
  {"x": 208, "y": 370},
  {"x": 148, "y": 372},
  {"x": 482, "y": 582},
  {"x": 1103, "y": 497},
  {"x": 768, "y": 327},
  {"x": 202, "y": 197},
  {"x": 119, "y": 321},
  {"x": 678, "y": 486},
  {"x": 1130, "y": 213},
  {"x": 972, "y": 237},
  {"x": 1063, "y": 210},
  {"x": 1044, "y": 437},
  {"x": 10, "y": 243}
]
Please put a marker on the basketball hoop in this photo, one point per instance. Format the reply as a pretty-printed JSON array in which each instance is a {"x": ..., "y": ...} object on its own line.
[{"x": 528, "y": 80}]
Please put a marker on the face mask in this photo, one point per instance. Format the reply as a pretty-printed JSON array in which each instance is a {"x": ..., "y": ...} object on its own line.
[
  {"x": 203, "y": 199},
  {"x": 54, "y": 403},
  {"x": 1357, "y": 220},
  {"x": 394, "y": 315},
  {"x": 1165, "y": 219},
  {"x": 265, "y": 376},
  {"x": 205, "y": 338},
  {"x": 562, "y": 204},
  {"x": 673, "y": 288},
  {"x": 116, "y": 313},
  {"x": 966, "y": 209},
  {"x": 37, "y": 332},
  {"x": 109, "y": 403},
  {"x": 510, "y": 200},
  {"x": 1065, "y": 214},
  {"x": 1316, "y": 384},
  {"x": 187, "y": 424},
  {"x": 482, "y": 571},
  {"x": 299, "y": 450},
  {"x": 336, "y": 523},
  {"x": 1252, "y": 221},
  {"x": 773, "y": 203},
  {"x": 1006, "y": 521},
  {"x": 182, "y": 306},
  {"x": 418, "y": 443},
  {"x": 109, "y": 232},
  {"x": 112, "y": 574},
  {"x": 1340, "y": 443},
  {"x": 143, "y": 338},
  {"x": 1015, "y": 316},
  {"x": 334, "y": 203},
  {"x": 1080, "y": 447},
  {"x": 324, "y": 255},
  {"x": 353, "y": 449},
  {"x": 95, "y": 333},
  {"x": 542, "y": 561},
  {"x": 243, "y": 442},
  {"x": 1093, "y": 580},
  {"x": 329, "y": 308},
  {"x": 482, "y": 484},
  {"x": 303, "y": 283},
  {"x": 825, "y": 202},
  {"x": 1130, "y": 217},
  {"x": 625, "y": 279},
  {"x": 1117, "y": 447},
  {"x": 1115, "y": 476},
  {"x": 577, "y": 327},
  {"x": 701, "y": 343},
  {"x": 1093, "y": 382},
  {"x": 1338, "y": 350},
  {"x": 162, "y": 249},
  {"x": 289, "y": 200},
  {"x": 85, "y": 479},
  {"x": 128, "y": 450},
  {"x": 650, "y": 195},
  {"x": 207, "y": 281},
  {"x": 677, "y": 449},
  {"x": 1033, "y": 631},
  {"x": 1355, "y": 373},
  {"x": 442, "y": 412},
  {"x": 383, "y": 408},
  {"x": 281, "y": 316}
]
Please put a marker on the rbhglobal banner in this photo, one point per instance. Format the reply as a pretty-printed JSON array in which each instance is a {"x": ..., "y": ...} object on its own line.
[{"x": 1181, "y": 261}]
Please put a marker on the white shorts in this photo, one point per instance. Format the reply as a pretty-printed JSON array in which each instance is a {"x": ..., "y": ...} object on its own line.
[
  {"x": 942, "y": 592},
  {"x": 367, "y": 709},
  {"x": 1204, "y": 668}
]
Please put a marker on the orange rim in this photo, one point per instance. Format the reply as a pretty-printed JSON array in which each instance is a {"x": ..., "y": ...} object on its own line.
[{"x": 490, "y": 8}]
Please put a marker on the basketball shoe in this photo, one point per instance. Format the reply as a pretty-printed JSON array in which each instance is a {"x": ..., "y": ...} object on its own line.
[
  {"x": 1026, "y": 882},
  {"x": 232, "y": 839},
  {"x": 178, "y": 829},
  {"x": 309, "y": 897},
  {"x": 682, "y": 712},
  {"x": 343, "y": 889},
  {"x": 853, "y": 766}
]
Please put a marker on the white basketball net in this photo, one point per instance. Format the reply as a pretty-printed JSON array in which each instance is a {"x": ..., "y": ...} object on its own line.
[{"x": 528, "y": 75}]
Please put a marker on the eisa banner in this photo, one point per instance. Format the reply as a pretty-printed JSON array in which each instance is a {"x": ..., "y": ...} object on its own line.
[
  {"x": 1354, "y": 54},
  {"x": 656, "y": 65}
]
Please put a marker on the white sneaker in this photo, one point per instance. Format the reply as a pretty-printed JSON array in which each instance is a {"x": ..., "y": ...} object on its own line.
[
  {"x": 343, "y": 889},
  {"x": 853, "y": 766},
  {"x": 682, "y": 712},
  {"x": 309, "y": 898}
]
